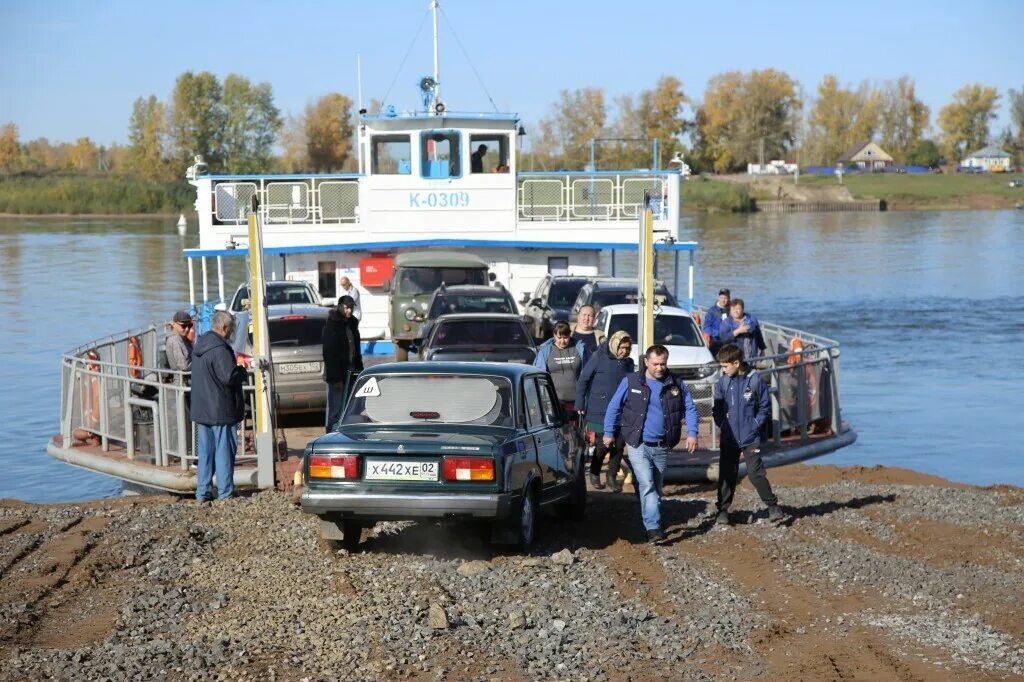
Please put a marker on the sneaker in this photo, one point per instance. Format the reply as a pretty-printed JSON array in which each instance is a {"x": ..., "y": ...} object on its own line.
[
  {"x": 595, "y": 482},
  {"x": 775, "y": 513},
  {"x": 723, "y": 519},
  {"x": 655, "y": 536}
]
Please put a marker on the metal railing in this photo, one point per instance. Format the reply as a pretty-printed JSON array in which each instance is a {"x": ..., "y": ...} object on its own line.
[
  {"x": 138, "y": 408},
  {"x": 562, "y": 196}
]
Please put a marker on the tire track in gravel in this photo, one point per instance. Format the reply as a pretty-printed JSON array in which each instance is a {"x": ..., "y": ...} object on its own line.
[
  {"x": 33, "y": 536},
  {"x": 13, "y": 526}
]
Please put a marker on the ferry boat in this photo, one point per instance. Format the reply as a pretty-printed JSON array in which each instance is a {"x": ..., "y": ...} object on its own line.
[{"x": 428, "y": 179}]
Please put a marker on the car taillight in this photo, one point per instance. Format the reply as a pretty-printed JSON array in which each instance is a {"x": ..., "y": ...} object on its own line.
[
  {"x": 468, "y": 469},
  {"x": 333, "y": 466}
]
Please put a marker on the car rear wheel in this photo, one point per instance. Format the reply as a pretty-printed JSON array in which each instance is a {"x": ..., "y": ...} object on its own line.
[
  {"x": 527, "y": 524},
  {"x": 352, "y": 533}
]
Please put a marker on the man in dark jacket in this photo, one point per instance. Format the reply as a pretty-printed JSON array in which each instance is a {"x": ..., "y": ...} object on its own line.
[
  {"x": 602, "y": 374},
  {"x": 714, "y": 318},
  {"x": 647, "y": 410},
  {"x": 343, "y": 359},
  {"x": 741, "y": 409},
  {"x": 217, "y": 406}
]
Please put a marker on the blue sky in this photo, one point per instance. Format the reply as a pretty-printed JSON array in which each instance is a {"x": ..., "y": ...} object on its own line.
[{"x": 72, "y": 68}]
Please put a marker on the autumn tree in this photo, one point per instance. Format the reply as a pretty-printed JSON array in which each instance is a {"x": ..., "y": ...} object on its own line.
[
  {"x": 743, "y": 113},
  {"x": 39, "y": 154},
  {"x": 840, "y": 118},
  {"x": 563, "y": 138},
  {"x": 328, "y": 130},
  {"x": 9, "y": 150},
  {"x": 1015, "y": 137},
  {"x": 251, "y": 124},
  {"x": 903, "y": 118},
  {"x": 964, "y": 121},
  {"x": 657, "y": 114},
  {"x": 147, "y": 139},
  {"x": 197, "y": 119},
  {"x": 83, "y": 155}
]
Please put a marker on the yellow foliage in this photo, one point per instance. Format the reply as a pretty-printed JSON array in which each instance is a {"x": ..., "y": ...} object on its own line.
[{"x": 964, "y": 121}]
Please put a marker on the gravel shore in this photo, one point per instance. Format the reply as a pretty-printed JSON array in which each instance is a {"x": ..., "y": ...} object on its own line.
[{"x": 877, "y": 574}]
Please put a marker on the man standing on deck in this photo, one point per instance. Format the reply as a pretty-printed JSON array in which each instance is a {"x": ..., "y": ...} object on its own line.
[
  {"x": 350, "y": 290},
  {"x": 647, "y": 411},
  {"x": 217, "y": 406},
  {"x": 178, "y": 350},
  {"x": 713, "y": 320},
  {"x": 742, "y": 328}
]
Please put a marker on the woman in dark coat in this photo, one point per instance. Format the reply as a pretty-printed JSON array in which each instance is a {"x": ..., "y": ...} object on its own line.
[{"x": 602, "y": 374}]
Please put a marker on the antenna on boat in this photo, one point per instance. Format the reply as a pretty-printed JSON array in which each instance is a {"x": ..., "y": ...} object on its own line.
[{"x": 437, "y": 68}]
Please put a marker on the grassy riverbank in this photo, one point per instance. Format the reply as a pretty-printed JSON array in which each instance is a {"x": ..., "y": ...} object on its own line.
[
  {"x": 703, "y": 194},
  {"x": 92, "y": 195}
]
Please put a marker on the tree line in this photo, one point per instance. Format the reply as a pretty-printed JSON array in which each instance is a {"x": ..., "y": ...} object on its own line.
[{"x": 743, "y": 117}]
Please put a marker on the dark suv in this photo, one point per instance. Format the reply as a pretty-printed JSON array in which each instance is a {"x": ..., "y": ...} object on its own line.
[
  {"x": 602, "y": 291},
  {"x": 465, "y": 298},
  {"x": 551, "y": 301}
]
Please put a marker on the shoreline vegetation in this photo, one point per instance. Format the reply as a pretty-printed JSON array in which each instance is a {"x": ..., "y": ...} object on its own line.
[{"x": 61, "y": 196}]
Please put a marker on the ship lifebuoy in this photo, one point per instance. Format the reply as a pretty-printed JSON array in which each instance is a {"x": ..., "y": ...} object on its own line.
[
  {"x": 796, "y": 350},
  {"x": 134, "y": 357}
]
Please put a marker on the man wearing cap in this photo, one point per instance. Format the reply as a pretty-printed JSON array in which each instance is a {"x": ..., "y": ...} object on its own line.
[
  {"x": 713, "y": 319},
  {"x": 178, "y": 346}
]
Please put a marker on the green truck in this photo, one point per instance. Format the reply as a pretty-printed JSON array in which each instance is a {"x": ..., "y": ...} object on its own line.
[{"x": 415, "y": 278}]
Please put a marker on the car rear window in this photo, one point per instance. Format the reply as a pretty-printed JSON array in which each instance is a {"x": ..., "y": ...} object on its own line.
[
  {"x": 564, "y": 294},
  {"x": 431, "y": 398},
  {"x": 477, "y": 332},
  {"x": 669, "y": 330},
  {"x": 276, "y": 294},
  {"x": 469, "y": 303},
  {"x": 307, "y": 331}
]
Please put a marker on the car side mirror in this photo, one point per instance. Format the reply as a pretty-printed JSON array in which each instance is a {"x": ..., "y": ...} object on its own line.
[
  {"x": 491, "y": 277},
  {"x": 535, "y": 301},
  {"x": 386, "y": 286}
]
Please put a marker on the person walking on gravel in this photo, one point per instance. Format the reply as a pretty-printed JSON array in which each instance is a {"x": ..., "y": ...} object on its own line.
[
  {"x": 603, "y": 373},
  {"x": 741, "y": 409},
  {"x": 647, "y": 410}
]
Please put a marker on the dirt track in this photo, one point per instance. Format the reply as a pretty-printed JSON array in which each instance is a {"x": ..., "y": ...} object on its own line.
[{"x": 879, "y": 574}]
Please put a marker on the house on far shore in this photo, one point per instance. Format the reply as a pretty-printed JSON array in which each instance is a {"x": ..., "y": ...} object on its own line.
[
  {"x": 866, "y": 156},
  {"x": 989, "y": 159}
]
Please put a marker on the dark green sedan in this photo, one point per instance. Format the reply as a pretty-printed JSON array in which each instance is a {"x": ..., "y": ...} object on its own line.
[{"x": 462, "y": 441}]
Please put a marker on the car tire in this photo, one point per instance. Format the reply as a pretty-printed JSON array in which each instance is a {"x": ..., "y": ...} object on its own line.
[
  {"x": 526, "y": 521},
  {"x": 352, "y": 533},
  {"x": 575, "y": 506}
]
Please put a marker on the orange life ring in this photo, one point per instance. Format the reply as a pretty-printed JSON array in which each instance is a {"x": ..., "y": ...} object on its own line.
[
  {"x": 91, "y": 410},
  {"x": 796, "y": 350},
  {"x": 134, "y": 357}
]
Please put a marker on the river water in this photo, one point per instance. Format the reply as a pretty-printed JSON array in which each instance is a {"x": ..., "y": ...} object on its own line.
[{"x": 926, "y": 305}]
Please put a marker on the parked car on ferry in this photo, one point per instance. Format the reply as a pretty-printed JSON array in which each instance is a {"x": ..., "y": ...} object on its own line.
[
  {"x": 278, "y": 292},
  {"x": 688, "y": 356},
  {"x": 497, "y": 337},
  {"x": 465, "y": 298},
  {"x": 603, "y": 291},
  {"x": 551, "y": 301},
  {"x": 452, "y": 441},
  {"x": 296, "y": 349}
]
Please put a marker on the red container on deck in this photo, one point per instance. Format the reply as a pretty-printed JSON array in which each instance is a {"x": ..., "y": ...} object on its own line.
[{"x": 376, "y": 270}]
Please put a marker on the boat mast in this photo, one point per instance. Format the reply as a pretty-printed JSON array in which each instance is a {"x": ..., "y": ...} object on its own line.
[{"x": 437, "y": 68}]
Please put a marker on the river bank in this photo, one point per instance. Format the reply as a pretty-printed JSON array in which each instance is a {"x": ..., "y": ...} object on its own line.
[{"x": 880, "y": 573}]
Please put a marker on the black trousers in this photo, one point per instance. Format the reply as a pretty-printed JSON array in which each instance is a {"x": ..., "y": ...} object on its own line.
[
  {"x": 728, "y": 469},
  {"x": 600, "y": 450}
]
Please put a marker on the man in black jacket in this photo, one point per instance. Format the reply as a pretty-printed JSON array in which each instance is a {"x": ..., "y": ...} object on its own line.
[
  {"x": 217, "y": 407},
  {"x": 343, "y": 360}
]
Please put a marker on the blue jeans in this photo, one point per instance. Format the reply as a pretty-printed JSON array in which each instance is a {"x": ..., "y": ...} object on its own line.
[
  {"x": 336, "y": 398},
  {"x": 217, "y": 446},
  {"x": 648, "y": 468}
]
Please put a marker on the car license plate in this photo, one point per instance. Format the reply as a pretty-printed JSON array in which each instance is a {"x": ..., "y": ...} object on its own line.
[
  {"x": 298, "y": 367},
  {"x": 401, "y": 471}
]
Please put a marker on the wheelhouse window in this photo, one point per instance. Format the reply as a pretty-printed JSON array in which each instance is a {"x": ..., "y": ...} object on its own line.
[
  {"x": 489, "y": 153},
  {"x": 391, "y": 155},
  {"x": 441, "y": 153}
]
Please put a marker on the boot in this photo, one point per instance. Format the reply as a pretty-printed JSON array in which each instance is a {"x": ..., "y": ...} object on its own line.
[
  {"x": 595, "y": 482},
  {"x": 613, "y": 482}
]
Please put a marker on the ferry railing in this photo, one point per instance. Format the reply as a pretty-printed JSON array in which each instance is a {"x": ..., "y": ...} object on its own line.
[
  {"x": 140, "y": 407},
  {"x": 574, "y": 196},
  {"x": 804, "y": 387},
  {"x": 307, "y": 200}
]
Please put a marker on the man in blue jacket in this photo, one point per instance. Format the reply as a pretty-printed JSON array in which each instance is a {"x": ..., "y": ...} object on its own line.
[
  {"x": 742, "y": 329},
  {"x": 647, "y": 412},
  {"x": 741, "y": 410},
  {"x": 713, "y": 319},
  {"x": 217, "y": 406}
]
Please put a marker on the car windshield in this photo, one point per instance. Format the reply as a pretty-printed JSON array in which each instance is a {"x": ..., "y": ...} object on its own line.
[
  {"x": 470, "y": 303},
  {"x": 481, "y": 333},
  {"x": 301, "y": 331},
  {"x": 563, "y": 294},
  {"x": 279, "y": 293},
  {"x": 431, "y": 398},
  {"x": 669, "y": 330},
  {"x": 425, "y": 280}
]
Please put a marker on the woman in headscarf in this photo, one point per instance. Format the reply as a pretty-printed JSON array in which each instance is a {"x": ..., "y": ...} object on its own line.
[{"x": 602, "y": 374}]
